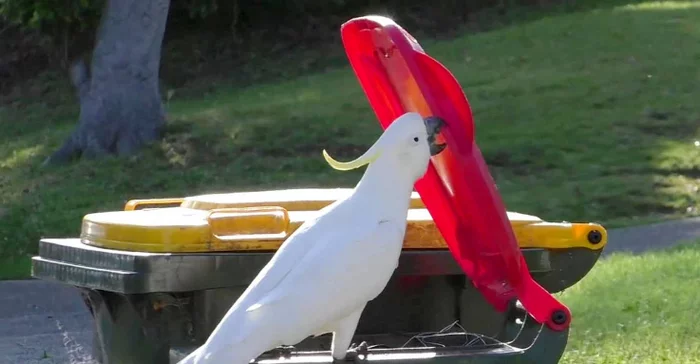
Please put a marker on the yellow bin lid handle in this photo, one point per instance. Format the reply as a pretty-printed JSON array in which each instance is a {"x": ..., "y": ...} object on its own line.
[{"x": 249, "y": 223}]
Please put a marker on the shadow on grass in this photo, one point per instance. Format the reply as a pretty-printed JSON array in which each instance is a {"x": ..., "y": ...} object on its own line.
[{"x": 282, "y": 59}]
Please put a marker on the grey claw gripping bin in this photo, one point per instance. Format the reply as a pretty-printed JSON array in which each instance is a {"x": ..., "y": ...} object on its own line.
[{"x": 155, "y": 307}]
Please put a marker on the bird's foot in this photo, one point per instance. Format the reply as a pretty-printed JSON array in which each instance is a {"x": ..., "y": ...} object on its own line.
[
  {"x": 356, "y": 352},
  {"x": 279, "y": 352}
]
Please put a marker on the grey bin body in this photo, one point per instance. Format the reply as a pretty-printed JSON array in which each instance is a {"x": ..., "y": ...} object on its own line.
[{"x": 156, "y": 307}]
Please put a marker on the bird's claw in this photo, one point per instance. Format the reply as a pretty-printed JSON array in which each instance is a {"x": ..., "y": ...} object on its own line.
[
  {"x": 356, "y": 350},
  {"x": 280, "y": 352}
]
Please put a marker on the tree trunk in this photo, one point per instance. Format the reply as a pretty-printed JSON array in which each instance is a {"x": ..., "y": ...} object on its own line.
[{"x": 120, "y": 102}]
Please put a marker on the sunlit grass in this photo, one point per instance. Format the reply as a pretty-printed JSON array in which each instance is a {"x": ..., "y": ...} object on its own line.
[
  {"x": 20, "y": 156},
  {"x": 637, "y": 309},
  {"x": 661, "y": 5}
]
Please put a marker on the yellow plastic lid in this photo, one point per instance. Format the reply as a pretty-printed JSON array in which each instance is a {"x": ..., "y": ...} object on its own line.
[
  {"x": 261, "y": 221},
  {"x": 309, "y": 199}
]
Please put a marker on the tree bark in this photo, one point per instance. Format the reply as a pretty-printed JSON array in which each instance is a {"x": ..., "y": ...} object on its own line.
[{"x": 120, "y": 102}]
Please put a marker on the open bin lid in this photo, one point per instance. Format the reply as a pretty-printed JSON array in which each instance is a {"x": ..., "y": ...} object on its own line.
[
  {"x": 262, "y": 220},
  {"x": 398, "y": 77}
]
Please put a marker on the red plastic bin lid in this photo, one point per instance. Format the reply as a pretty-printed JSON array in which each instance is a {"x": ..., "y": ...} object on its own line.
[{"x": 398, "y": 77}]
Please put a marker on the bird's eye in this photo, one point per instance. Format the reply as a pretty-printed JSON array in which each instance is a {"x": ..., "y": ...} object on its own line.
[{"x": 415, "y": 139}]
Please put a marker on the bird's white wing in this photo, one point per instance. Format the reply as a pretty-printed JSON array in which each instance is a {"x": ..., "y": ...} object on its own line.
[
  {"x": 289, "y": 254},
  {"x": 335, "y": 278},
  {"x": 353, "y": 265}
]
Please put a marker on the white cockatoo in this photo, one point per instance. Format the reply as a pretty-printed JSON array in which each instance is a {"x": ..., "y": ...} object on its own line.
[{"x": 323, "y": 275}]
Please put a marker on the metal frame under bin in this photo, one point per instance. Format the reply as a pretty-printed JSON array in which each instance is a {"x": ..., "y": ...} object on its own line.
[{"x": 156, "y": 307}]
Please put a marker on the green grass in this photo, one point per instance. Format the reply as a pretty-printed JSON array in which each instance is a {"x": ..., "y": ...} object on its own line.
[
  {"x": 637, "y": 309},
  {"x": 585, "y": 116}
]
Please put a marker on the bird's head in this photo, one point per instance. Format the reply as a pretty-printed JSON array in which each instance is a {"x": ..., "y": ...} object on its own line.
[{"x": 408, "y": 142}]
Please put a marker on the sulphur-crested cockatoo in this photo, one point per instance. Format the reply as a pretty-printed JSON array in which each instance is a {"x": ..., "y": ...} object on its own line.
[{"x": 323, "y": 275}]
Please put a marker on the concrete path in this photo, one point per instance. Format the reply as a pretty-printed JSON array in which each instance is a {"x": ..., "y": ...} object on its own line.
[
  {"x": 638, "y": 239},
  {"x": 48, "y": 323},
  {"x": 43, "y": 322}
]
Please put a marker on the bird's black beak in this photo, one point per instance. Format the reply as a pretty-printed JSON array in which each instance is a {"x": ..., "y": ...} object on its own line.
[{"x": 433, "y": 124}]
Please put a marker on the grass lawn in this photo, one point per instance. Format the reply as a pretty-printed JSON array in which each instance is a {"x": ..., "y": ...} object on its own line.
[
  {"x": 637, "y": 309},
  {"x": 585, "y": 116}
]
